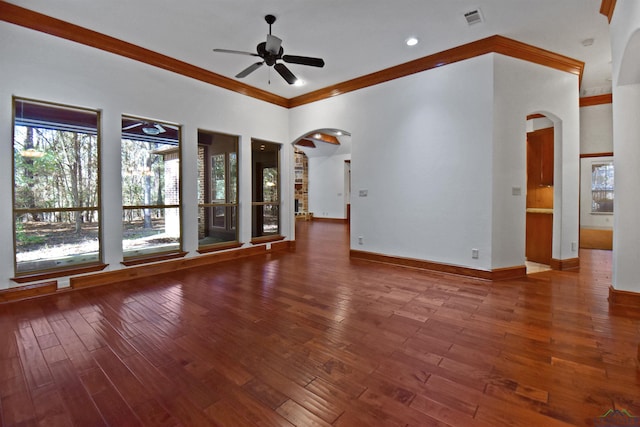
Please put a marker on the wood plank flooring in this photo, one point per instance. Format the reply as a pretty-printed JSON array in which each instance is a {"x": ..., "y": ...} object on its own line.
[{"x": 312, "y": 338}]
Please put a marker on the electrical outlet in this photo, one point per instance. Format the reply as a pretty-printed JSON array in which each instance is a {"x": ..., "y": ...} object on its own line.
[
  {"x": 360, "y": 240},
  {"x": 574, "y": 246},
  {"x": 475, "y": 253}
]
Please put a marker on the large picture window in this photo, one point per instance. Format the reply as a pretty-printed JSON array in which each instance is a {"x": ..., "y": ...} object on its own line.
[
  {"x": 217, "y": 189},
  {"x": 151, "y": 172},
  {"x": 602, "y": 188},
  {"x": 265, "y": 188},
  {"x": 56, "y": 187}
]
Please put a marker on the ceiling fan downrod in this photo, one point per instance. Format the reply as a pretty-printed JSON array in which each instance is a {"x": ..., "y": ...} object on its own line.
[{"x": 270, "y": 20}]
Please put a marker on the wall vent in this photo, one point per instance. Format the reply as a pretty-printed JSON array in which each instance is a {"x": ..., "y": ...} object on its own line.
[{"x": 473, "y": 17}]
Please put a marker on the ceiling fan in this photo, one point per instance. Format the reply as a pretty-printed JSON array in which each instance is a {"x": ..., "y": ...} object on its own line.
[
  {"x": 271, "y": 51},
  {"x": 149, "y": 128}
]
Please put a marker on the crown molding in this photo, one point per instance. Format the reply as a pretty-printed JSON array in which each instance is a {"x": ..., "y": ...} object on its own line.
[
  {"x": 36, "y": 21},
  {"x": 588, "y": 101},
  {"x": 607, "y": 7},
  {"x": 495, "y": 44}
]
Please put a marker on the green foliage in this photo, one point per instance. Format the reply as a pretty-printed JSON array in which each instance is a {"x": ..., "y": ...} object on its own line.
[{"x": 22, "y": 238}]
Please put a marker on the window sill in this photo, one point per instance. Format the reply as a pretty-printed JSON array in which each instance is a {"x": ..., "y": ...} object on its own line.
[
  {"x": 52, "y": 274},
  {"x": 145, "y": 259},
  {"x": 266, "y": 239},
  {"x": 219, "y": 247}
]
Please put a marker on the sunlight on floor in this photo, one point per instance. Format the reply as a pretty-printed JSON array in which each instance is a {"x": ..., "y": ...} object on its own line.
[{"x": 534, "y": 267}]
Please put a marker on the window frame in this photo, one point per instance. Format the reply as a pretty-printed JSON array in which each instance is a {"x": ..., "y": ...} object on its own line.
[
  {"x": 96, "y": 264},
  {"x": 594, "y": 165},
  {"x": 156, "y": 255},
  {"x": 261, "y": 238},
  {"x": 209, "y": 202}
]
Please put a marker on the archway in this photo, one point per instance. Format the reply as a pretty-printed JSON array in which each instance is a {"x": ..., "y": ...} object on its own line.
[
  {"x": 542, "y": 183},
  {"x": 321, "y": 179}
]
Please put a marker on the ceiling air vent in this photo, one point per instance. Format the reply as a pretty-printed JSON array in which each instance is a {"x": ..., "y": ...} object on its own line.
[{"x": 473, "y": 17}]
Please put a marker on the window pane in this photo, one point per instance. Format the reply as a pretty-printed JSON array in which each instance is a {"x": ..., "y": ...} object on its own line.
[
  {"x": 602, "y": 186},
  {"x": 217, "y": 185},
  {"x": 55, "y": 186},
  {"x": 269, "y": 217},
  {"x": 223, "y": 227},
  {"x": 265, "y": 188},
  {"x": 150, "y": 156},
  {"x": 54, "y": 241},
  {"x": 233, "y": 178},
  {"x": 270, "y": 184},
  {"x": 218, "y": 178},
  {"x": 160, "y": 234}
]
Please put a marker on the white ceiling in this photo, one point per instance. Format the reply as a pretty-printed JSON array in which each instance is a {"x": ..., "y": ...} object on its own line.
[{"x": 354, "y": 37}]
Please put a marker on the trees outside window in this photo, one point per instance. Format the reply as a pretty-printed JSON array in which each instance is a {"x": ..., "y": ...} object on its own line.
[
  {"x": 265, "y": 188},
  {"x": 150, "y": 158},
  {"x": 602, "y": 187},
  {"x": 56, "y": 202}
]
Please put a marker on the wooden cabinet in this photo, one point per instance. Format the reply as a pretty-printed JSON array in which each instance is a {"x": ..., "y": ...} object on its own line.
[
  {"x": 539, "y": 196},
  {"x": 539, "y": 237},
  {"x": 540, "y": 169},
  {"x": 540, "y": 157},
  {"x": 546, "y": 157}
]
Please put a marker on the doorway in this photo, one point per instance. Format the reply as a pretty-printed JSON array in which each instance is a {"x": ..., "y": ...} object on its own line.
[{"x": 540, "y": 188}]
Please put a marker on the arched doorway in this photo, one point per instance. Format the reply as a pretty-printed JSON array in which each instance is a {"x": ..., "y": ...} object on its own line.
[
  {"x": 321, "y": 175},
  {"x": 540, "y": 166}
]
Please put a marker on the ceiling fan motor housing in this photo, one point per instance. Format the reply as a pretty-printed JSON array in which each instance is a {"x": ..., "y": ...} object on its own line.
[{"x": 269, "y": 58}]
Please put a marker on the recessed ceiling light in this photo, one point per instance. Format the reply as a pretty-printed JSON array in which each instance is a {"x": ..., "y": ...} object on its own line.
[
  {"x": 411, "y": 41},
  {"x": 300, "y": 82}
]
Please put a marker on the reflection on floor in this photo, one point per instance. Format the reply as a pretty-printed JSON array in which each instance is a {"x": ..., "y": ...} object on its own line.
[{"x": 534, "y": 267}]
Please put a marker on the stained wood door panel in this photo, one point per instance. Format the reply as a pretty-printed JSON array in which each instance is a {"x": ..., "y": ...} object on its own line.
[{"x": 312, "y": 338}]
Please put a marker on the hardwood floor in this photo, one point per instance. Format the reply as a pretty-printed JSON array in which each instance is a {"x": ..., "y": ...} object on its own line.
[{"x": 312, "y": 338}]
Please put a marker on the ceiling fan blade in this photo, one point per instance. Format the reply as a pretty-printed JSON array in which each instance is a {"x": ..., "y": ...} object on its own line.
[
  {"x": 273, "y": 44},
  {"x": 250, "y": 69},
  {"x": 160, "y": 128},
  {"x": 132, "y": 126},
  {"x": 303, "y": 60},
  {"x": 237, "y": 52},
  {"x": 285, "y": 73}
]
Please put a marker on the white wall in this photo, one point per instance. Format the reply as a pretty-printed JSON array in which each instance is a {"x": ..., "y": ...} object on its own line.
[
  {"x": 521, "y": 89},
  {"x": 625, "y": 41},
  {"x": 38, "y": 66},
  {"x": 326, "y": 186},
  {"x": 439, "y": 152},
  {"x": 596, "y": 129},
  {"x": 426, "y": 170}
]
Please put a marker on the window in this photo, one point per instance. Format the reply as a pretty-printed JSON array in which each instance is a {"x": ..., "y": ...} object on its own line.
[
  {"x": 602, "y": 187},
  {"x": 217, "y": 189},
  {"x": 56, "y": 205},
  {"x": 151, "y": 172},
  {"x": 265, "y": 189}
]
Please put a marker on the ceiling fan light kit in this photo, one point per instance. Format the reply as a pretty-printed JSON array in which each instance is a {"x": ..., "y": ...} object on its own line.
[
  {"x": 148, "y": 128},
  {"x": 271, "y": 52}
]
